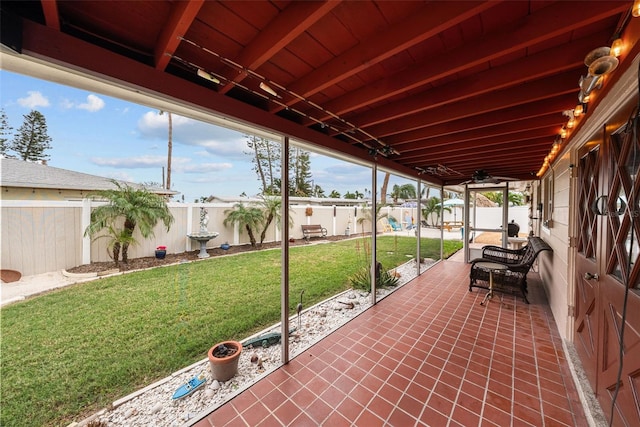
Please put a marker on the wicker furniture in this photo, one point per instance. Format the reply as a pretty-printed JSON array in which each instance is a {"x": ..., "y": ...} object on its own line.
[{"x": 517, "y": 261}]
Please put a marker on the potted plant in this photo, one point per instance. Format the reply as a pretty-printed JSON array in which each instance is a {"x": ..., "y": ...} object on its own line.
[
  {"x": 223, "y": 359},
  {"x": 161, "y": 252}
]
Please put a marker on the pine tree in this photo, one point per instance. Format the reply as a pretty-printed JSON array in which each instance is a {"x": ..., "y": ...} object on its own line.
[
  {"x": 31, "y": 140},
  {"x": 266, "y": 163},
  {"x": 300, "y": 175},
  {"x": 5, "y": 131}
]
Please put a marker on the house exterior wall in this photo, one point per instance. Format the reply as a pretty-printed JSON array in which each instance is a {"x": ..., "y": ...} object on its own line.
[
  {"x": 554, "y": 268},
  {"x": 21, "y": 193},
  {"x": 557, "y": 270}
]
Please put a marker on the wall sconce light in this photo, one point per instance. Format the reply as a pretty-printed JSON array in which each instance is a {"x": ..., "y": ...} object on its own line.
[
  {"x": 635, "y": 9},
  {"x": 202, "y": 73}
]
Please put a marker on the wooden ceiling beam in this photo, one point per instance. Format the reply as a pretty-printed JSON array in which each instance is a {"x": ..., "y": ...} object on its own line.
[
  {"x": 294, "y": 20},
  {"x": 51, "y": 15},
  {"x": 498, "y": 152},
  {"x": 428, "y": 22},
  {"x": 494, "y": 101},
  {"x": 483, "y": 161},
  {"x": 182, "y": 15},
  {"x": 534, "y": 67},
  {"x": 522, "y": 140},
  {"x": 488, "y": 134},
  {"x": 543, "y": 25},
  {"x": 485, "y": 120}
]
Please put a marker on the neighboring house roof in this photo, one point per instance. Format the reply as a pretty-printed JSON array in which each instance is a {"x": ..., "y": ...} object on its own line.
[
  {"x": 19, "y": 173},
  {"x": 327, "y": 201}
]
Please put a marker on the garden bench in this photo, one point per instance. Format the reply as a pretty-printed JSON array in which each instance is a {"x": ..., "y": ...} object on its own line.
[
  {"x": 517, "y": 261},
  {"x": 309, "y": 230}
]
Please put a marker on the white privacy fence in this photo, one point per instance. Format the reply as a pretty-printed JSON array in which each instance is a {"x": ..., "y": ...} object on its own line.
[{"x": 43, "y": 236}]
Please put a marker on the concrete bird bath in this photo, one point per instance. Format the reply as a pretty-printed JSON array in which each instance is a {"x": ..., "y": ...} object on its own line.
[
  {"x": 204, "y": 235},
  {"x": 203, "y": 238}
]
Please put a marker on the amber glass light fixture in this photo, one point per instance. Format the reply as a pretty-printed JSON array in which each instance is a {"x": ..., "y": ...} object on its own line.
[
  {"x": 577, "y": 112},
  {"x": 635, "y": 10},
  {"x": 616, "y": 47}
]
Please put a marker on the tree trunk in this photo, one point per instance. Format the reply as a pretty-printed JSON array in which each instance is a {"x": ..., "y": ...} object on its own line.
[
  {"x": 383, "y": 190},
  {"x": 267, "y": 224},
  {"x": 116, "y": 253},
  {"x": 252, "y": 238}
]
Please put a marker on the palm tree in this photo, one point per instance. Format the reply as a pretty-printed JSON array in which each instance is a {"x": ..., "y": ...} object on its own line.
[
  {"x": 433, "y": 207},
  {"x": 366, "y": 215},
  {"x": 405, "y": 192},
  {"x": 271, "y": 211},
  {"x": 139, "y": 208},
  {"x": 250, "y": 218},
  {"x": 334, "y": 194}
]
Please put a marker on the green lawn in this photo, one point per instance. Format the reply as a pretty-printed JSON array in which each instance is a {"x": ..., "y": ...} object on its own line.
[{"x": 73, "y": 351}]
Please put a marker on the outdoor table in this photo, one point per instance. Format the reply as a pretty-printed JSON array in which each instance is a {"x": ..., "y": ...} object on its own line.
[{"x": 490, "y": 267}]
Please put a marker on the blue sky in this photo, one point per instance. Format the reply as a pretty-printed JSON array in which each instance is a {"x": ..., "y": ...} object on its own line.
[{"x": 109, "y": 137}]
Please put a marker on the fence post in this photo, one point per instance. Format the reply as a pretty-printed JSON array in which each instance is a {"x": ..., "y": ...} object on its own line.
[
  {"x": 84, "y": 223},
  {"x": 189, "y": 227}
]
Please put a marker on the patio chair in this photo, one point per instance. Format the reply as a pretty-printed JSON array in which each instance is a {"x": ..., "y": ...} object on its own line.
[
  {"x": 394, "y": 224},
  {"x": 386, "y": 227},
  {"x": 517, "y": 261}
]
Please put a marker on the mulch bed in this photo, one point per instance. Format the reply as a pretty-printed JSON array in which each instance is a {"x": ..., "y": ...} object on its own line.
[{"x": 148, "y": 262}]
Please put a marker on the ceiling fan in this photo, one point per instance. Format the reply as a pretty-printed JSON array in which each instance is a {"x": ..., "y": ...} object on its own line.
[{"x": 481, "y": 176}]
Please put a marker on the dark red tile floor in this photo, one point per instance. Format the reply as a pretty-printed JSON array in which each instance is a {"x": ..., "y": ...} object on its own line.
[{"x": 428, "y": 355}]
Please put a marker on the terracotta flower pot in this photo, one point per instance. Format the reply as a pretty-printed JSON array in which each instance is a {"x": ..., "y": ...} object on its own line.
[{"x": 225, "y": 367}]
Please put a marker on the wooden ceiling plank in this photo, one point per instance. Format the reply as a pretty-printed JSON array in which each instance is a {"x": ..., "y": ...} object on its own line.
[
  {"x": 529, "y": 157},
  {"x": 428, "y": 22},
  {"x": 480, "y": 121},
  {"x": 488, "y": 143},
  {"x": 495, "y": 101},
  {"x": 288, "y": 25},
  {"x": 537, "y": 66},
  {"x": 51, "y": 14},
  {"x": 554, "y": 120},
  {"x": 182, "y": 15},
  {"x": 544, "y": 25}
]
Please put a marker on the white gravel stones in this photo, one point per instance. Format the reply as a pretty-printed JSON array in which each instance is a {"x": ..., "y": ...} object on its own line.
[{"x": 154, "y": 407}]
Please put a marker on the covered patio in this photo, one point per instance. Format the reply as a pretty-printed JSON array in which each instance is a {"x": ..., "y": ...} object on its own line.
[
  {"x": 444, "y": 93},
  {"x": 429, "y": 354}
]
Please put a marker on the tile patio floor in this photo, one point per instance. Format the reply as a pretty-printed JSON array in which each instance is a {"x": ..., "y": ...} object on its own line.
[{"x": 428, "y": 355}]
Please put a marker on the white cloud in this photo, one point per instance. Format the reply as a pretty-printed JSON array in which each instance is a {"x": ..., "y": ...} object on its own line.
[
  {"x": 131, "y": 162},
  {"x": 93, "y": 104},
  {"x": 33, "y": 100},
  {"x": 121, "y": 176},
  {"x": 66, "y": 104},
  {"x": 206, "y": 167},
  {"x": 215, "y": 140}
]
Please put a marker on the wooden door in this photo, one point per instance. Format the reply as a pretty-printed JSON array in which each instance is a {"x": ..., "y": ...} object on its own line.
[
  {"x": 619, "y": 284},
  {"x": 586, "y": 310}
]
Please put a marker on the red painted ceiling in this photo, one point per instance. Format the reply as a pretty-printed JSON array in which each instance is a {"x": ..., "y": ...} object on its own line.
[{"x": 437, "y": 89}]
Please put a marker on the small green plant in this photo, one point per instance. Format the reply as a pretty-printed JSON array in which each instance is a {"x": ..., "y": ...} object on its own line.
[{"x": 362, "y": 278}]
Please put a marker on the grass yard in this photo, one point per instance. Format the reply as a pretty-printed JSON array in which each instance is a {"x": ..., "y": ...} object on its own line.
[{"x": 71, "y": 352}]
